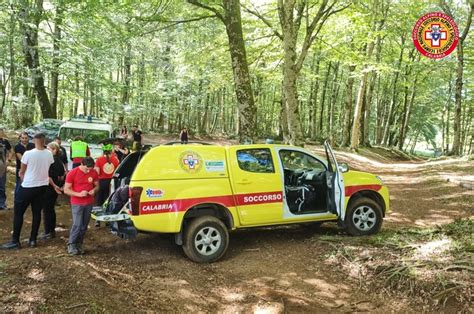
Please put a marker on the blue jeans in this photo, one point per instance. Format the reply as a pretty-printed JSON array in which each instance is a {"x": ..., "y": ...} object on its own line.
[{"x": 3, "y": 195}]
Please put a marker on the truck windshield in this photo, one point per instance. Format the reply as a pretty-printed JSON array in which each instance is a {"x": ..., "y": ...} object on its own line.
[{"x": 89, "y": 136}]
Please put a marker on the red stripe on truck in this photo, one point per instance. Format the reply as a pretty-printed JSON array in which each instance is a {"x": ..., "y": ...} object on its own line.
[
  {"x": 356, "y": 188},
  {"x": 169, "y": 206}
]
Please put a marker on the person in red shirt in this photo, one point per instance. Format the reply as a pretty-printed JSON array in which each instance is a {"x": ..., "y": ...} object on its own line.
[
  {"x": 82, "y": 183},
  {"x": 105, "y": 167}
]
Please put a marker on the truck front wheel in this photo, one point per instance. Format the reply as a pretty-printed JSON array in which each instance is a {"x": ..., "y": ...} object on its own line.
[
  {"x": 205, "y": 239},
  {"x": 364, "y": 217}
]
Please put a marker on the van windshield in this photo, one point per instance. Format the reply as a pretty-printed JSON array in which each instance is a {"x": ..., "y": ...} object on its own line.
[{"x": 89, "y": 136}]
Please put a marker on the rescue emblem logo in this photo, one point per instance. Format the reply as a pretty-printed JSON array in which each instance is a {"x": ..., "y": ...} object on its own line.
[
  {"x": 109, "y": 168},
  {"x": 435, "y": 35},
  {"x": 190, "y": 161},
  {"x": 154, "y": 193}
]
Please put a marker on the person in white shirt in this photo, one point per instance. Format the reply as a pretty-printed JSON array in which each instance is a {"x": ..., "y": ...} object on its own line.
[{"x": 34, "y": 175}]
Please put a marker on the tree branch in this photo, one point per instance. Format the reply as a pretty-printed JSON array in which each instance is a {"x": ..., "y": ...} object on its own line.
[
  {"x": 319, "y": 20},
  {"x": 214, "y": 10},
  {"x": 174, "y": 23},
  {"x": 468, "y": 24},
  {"x": 264, "y": 20}
]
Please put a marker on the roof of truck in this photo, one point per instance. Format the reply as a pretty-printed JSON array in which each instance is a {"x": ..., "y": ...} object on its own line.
[{"x": 87, "y": 126}]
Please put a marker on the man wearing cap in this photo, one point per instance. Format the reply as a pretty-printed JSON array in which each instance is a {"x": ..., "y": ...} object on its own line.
[
  {"x": 82, "y": 183},
  {"x": 34, "y": 175}
]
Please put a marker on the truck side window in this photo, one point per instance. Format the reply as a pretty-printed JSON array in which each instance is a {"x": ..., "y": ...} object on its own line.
[
  {"x": 295, "y": 160},
  {"x": 255, "y": 160}
]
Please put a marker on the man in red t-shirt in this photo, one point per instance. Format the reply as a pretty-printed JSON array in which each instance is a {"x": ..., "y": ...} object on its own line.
[
  {"x": 105, "y": 167},
  {"x": 82, "y": 184}
]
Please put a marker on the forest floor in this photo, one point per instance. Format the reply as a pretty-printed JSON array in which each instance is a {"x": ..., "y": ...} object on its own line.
[{"x": 422, "y": 260}]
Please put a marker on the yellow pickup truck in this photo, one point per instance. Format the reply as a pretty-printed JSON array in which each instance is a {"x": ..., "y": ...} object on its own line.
[{"x": 201, "y": 192}]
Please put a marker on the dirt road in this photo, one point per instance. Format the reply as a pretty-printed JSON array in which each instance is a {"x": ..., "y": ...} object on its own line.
[{"x": 290, "y": 268}]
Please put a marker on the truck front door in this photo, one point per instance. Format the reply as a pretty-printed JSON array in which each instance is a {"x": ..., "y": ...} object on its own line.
[{"x": 257, "y": 185}]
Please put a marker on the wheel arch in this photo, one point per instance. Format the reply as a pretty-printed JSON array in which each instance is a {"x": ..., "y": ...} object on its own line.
[
  {"x": 373, "y": 195},
  {"x": 209, "y": 209}
]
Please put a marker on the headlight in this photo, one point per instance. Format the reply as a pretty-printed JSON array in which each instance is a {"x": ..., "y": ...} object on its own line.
[{"x": 380, "y": 179}]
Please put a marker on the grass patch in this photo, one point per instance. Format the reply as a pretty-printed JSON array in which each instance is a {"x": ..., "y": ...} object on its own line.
[{"x": 432, "y": 265}]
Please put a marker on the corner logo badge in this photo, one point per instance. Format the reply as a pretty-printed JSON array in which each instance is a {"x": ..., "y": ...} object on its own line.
[
  {"x": 190, "y": 161},
  {"x": 435, "y": 35}
]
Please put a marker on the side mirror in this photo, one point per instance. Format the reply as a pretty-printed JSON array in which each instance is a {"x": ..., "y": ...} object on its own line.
[{"x": 343, "y": 167}]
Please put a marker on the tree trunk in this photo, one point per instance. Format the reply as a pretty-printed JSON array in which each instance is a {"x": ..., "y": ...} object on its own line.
[
  {"x": 407, "y": 108},
  {"x": 127, "y": 65},
  {"x": 360, "y": 98},
  {"x": 332, "y": 104},
  {"x": 457, "y": 127},
  {"x": 53, "y": 92},
  {"x": 30, "y": 19},
  {"x": 314, "y": 103},
  {"x": 243, "y": 87},
  {"x": 323, "y": 101},
  {"x": 391, "y": 112},
  {"x": 346, "y": 135}
]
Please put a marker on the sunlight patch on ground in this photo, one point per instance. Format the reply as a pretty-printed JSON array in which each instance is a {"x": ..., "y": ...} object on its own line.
[
  {"x": 36, "y": 274},
  {"x": 433, "y": 248},
  {"x": 268, "y": 308}
]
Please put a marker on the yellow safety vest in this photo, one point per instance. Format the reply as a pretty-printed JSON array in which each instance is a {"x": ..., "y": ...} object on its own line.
[{"x": 79, "y": 149}]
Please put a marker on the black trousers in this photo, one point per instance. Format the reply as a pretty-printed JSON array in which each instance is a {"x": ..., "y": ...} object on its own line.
[
  {"x": 26, "y": 197},
  {"x": 104, "y": 191},
  {"x": 48, "y": 208}
]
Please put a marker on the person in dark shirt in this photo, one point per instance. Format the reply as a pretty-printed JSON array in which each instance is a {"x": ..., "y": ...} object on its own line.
[
  {"x": 137, "y": 135},
  {"x": 57, "y": 172},
  {"x": 120, "y": 150},
  {"x": 63, "y": 156},
  {"x": 6, "y": 155},
  {"x": 184, "y": 136},
  {"x": 20, "y": 148}
]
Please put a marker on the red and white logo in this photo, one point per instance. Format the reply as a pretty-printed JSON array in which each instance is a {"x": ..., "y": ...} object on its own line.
[{"x": 435, "y": 35}]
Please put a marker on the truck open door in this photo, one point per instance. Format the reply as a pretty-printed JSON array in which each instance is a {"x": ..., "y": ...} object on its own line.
[{"x": 335, "y": 184}]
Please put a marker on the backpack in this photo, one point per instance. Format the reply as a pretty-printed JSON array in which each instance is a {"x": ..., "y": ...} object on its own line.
[{"x": 3, "y": 164}]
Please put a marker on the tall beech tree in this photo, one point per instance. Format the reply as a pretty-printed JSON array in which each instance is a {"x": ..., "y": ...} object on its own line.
[
  {"x": 231, "y": 18},
  {"x": 31, "y": 13},
  {"x": 457, "y": 126}
]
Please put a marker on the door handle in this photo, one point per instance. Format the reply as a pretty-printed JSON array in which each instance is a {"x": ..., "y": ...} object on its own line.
[{"x": 244, "y": 181}]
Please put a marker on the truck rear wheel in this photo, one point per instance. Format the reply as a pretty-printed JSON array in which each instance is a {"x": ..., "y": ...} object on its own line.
[{"x": 205, "y": 239}]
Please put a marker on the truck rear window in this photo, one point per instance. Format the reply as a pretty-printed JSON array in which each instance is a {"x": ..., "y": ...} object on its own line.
[{"x": 255, "y": 160}]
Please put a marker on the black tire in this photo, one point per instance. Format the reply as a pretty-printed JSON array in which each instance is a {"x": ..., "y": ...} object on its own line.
[
  {"x": 216, "y": 244},
  {"x": 363, "y": 217}
]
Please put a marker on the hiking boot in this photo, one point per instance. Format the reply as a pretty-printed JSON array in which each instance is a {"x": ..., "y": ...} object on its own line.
[
  {"x": 32, "y": 243},
  {"x": 48, "y": 236},
  {"x": 72, "y": 249},
  {"x": 12, "y": 245},
  {"x": 79, "y": 249}
]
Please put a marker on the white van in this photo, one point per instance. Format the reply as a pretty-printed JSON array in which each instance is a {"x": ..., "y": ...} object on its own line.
[{"x": 92, "y": 130}]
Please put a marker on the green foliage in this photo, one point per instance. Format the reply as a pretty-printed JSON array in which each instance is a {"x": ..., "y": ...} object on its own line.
[{"x": 180, "y": 72}]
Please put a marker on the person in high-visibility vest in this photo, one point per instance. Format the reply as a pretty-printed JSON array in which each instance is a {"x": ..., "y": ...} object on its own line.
[{"x": 78, "y": 151}]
